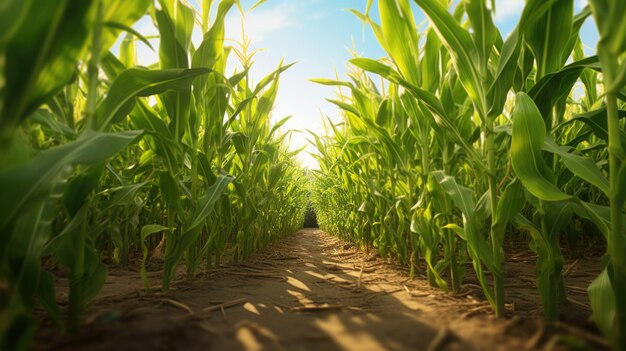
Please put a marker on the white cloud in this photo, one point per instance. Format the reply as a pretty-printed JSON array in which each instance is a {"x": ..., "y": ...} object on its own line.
[
  {"x": 260, "y": 23},
  {"x": 509, "y": 10},
  {"x": 317, "y": 15}
]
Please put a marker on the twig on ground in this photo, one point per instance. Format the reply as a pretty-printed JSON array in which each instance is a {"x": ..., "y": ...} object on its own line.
[
  {"x": 254, "y": 274},
  {"x": 578, "y": 303},
  {"x": 577, "y": 289},
  {"x": 473, "y": 286},
  {"x": 570, "y": 269},
  {"x": 462, "y": 294},
  {"x": 484, "y": 306},
  {"x": 224, "y": 305},
  {"x": 178, "y": 304},
  {"x": 286, "y": 258},
  {"x": 414, "y": 293},
  {"x": 358, "y": 283},
  {"x": 316, "y": 308}
]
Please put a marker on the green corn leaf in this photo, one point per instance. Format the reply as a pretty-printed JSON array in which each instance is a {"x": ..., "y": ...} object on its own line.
[
  {"x": 578, "y": 21},
  {"x": 505, "y": 74},
  {"x": 118, "y": 16},
  {"x": 596, "y": 121},
  {"x": 80, "y": 187},
  {"x": 46, "y": 119},
  {"x": 438, "y": 120},
  {"x": 204, "y": 207},
  {"x": 401, "y": 37},
  {"x": 124, "y": 195},
  {"x": 555, "y": 86},
  {"x": 170, "y": 191},
  {"x": 47, "y": 296},
  {"x": 54, "y": 246},
  {"x": 529, "y": 134},
  {"x": 584, "y": 167},
  {"x": 206, "y": 202},
  {"x": 146, "y": 231},
  {"x": 462, "y": 49},
  {"x": 95, "y": 274},
  {"x": 557, "y": 216},
  {"x": 56, "y": 32},
  {"x": 270, "y": 77},
  {"x": 12, "y": 14},
  {"x": 130, "y": 32},
  {"x": 111, "y": 65},
  {"x": 265, "y": 103},
  {"x": 430, "y": 62},
  {"x": 256, "y": 4},
  {"x": 175, "y": 21},
  {"x": 549, "y": 35},
  {"x": 463, "y": 198},
  {"x": 331, "y": 82},
  {"x": 609, "y": 19},
  {"x": 522, "y": 223},
  {"x": 127, "y": 51},
  {"x": 30, "y": 183},
  {"x": 26, "y": 245},
  {"x": 138, "y": 82},
  {"x": 457, "y": 229},
  {"x": 484, "y": 31},
  {"x": 602, "y": 299},
  {"x": 478, "y": 247},
  {"x": 212, "y": 46},
  {"x": 509, "y": 205},
  {"x": 599, "y": 215},
  {"x": 509, "y": 55},
  {"x": 345, "y": 106}
]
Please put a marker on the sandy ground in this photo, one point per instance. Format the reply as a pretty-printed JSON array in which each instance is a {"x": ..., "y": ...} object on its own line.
[{"x": 311, "y": 291}]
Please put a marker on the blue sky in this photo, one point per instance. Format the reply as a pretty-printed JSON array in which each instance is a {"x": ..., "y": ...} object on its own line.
[{"x": 319, "y": 35}]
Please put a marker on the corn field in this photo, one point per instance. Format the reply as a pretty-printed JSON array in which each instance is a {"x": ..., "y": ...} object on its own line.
[
  {"x": 461, "y": 139},
  {"x": 92, "y": 167},
  {"x": 471, "y": 135}
]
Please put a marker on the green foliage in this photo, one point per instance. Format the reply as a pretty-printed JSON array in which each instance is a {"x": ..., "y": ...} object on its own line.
[
  {"x": 470, "y": 131},
  {"x": 102, "y": 160}
]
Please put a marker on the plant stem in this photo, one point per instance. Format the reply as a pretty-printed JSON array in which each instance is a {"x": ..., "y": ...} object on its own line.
[
  {"x": 92, "y": 72},
  {"x": 76, "y": 303},
  {"x": 76, "y": 298},
  {"x": 616, "y": 248},
  {"x": 493, "y": 193}
]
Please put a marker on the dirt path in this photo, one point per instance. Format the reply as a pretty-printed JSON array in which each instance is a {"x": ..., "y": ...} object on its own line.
[{"x": 304, "y": 292}]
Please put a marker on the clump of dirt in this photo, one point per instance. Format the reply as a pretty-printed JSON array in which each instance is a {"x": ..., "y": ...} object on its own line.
[{"x": 311, "y": 291}]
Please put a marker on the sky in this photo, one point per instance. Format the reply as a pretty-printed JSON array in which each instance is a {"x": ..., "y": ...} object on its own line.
[{"x": 320, "y": 35}]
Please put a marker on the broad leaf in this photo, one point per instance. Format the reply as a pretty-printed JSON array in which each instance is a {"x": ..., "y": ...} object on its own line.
[
  {"x": 529, "y": 134},
  {"x": 32, "y": 182}
]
